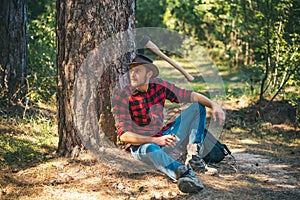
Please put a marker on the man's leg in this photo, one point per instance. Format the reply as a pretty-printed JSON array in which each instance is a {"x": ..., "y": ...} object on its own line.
[
  {"x": 189, "y": 127},
  {"x": 153, "y": 155},
  {"x": 190, "y": 124}
]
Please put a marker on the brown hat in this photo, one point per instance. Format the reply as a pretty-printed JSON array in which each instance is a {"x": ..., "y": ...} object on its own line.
[{"x": 141, "y": 60}]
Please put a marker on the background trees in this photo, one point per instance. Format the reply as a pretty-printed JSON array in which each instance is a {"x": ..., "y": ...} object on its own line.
[
  {"x": 262, "y": 36},
  {"x": 258, "y": 37},
  {"x": 155, "y": 10},
  {"x": 13, "y": 45},
  {"x": 41, "y": 51}
]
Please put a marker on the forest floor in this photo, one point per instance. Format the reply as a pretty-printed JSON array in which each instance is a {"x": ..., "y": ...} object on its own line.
[{"x": 267, "y": 165}]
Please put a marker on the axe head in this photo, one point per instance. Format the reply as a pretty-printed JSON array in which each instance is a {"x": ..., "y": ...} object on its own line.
[{"x": 145, "y": 39}]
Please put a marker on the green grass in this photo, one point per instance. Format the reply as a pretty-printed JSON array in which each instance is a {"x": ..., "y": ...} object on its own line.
[{"x": 26, "y": 141}]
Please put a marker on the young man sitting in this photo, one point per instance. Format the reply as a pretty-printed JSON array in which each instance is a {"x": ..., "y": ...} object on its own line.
[{"x": 138, "y": 112}]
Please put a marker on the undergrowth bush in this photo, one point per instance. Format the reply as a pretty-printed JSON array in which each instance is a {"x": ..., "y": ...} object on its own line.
[
  {"x": 26, "y": 141},
  {"x": 42, "y": 55}
]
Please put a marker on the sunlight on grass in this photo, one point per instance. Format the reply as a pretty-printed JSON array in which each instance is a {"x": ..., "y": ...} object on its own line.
[
  {"x": 248, "y": 141},
  {"x": 26, "y": 141},
  {"x": 206, "y": 79},
  {"x": 236, "y": 84}
]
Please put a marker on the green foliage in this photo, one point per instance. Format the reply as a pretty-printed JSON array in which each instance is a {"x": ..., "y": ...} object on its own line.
[
  {"x": 209, "y": 22},
  {"x": 37, "y": 8},
  {"x": 261, "y": 34},
  {"x": 149, "y": 13},
  {"x": 185, "y": 17},
  {"x": 42, "y": 55},
  {"x": 277, "y": 44}
]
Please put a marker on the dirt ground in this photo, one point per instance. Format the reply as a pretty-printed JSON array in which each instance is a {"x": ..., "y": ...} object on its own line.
[{"x": 266, "y": 166}]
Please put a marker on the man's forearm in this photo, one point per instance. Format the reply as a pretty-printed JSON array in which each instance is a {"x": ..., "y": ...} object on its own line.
[
  {"x": 196, "y": 97},
  {"x": 217, "y": 112},
  {"x": 136, "y": 139}
]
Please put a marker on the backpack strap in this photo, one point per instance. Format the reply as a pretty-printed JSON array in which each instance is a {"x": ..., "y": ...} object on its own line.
[{"x": 228, "y": 152}]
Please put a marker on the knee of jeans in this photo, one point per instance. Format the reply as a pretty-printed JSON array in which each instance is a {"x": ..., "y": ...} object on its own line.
[
  {"x": 198, "y": 106},
  {"x": 151, "y": 147},
  {"x": 202, "y": 108}
]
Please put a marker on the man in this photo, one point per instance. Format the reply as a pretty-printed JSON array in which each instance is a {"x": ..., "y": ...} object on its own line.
[{"x": 138, "y": 112}]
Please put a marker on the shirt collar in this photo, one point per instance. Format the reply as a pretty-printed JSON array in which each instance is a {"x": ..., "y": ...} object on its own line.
[{"x": 135, "y": 92}]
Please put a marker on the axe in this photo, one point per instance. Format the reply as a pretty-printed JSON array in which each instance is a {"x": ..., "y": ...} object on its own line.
[{"x": 146, "y": 42}]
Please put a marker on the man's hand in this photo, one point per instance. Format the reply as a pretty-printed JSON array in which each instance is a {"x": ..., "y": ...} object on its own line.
[
  {"x": 218, "y": 113},
  {"x": 166, "y": 141}
]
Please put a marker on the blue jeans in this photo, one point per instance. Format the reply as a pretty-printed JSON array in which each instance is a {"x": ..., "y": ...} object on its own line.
[{"x": 189, "y": 127}]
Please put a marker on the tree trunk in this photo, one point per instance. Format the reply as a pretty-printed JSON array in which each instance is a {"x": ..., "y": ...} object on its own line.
[
  {"x": 82, "y": 26},
  {"x": 13, "y": 45}
]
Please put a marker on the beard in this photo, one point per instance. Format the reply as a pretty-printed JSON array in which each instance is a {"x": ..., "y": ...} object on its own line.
[{"x": 138, "y": 83}]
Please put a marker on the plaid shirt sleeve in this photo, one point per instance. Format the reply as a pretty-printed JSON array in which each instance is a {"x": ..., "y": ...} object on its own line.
[
  {"x": 121, "y": 112},
  {"x": 174, "y": 93}
]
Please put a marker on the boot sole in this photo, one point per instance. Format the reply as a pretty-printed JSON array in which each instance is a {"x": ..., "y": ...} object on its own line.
[{"x": 189, "y": 187}]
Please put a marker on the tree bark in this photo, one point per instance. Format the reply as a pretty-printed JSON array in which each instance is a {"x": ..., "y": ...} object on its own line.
[
  {"x": 81, "y": 27},
  {"x": 13, "y": 45}
]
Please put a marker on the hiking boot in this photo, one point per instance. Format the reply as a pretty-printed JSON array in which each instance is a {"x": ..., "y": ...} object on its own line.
[
  {"x": 187, "y": 181},
  {"x": 194, "y": 159},
  {"x": 211, "y": 171}
]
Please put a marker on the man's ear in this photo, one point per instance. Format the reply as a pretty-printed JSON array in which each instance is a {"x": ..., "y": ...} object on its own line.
[{"x": 150, "y": 74}]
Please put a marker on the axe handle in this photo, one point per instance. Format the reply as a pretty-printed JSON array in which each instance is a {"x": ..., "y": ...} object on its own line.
[{"x": 158, "y": 52}]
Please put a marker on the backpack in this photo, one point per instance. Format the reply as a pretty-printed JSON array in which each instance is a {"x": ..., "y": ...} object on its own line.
[{"x": 214, "y": 150}]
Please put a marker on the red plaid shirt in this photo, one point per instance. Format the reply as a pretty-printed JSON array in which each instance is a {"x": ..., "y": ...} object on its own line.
[{"x": 142, "y": 112}]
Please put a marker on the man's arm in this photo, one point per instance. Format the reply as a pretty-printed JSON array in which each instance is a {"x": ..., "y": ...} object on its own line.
[
  {"x": 217, "y": 111},
  {"x": 136, "y": 139}
]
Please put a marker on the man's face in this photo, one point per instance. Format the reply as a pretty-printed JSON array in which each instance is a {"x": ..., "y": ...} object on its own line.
[{"x": 139, "y": 76}]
